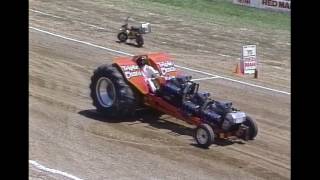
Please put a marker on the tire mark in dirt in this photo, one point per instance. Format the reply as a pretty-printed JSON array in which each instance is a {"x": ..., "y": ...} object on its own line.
[{"x": 274, "y": 162}]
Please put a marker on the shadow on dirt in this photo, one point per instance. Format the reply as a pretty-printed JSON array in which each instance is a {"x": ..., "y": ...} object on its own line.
[
  {"x": 93, "y": 114},
  {"x": 129, "y": 44},
  {"x": 143, "y": 116},
  {"x": 155, "y": 121},
  {"x": 132, "y": 44},
  {"x": 220, "y": 142},
  {"x": 223, "y": 142}
]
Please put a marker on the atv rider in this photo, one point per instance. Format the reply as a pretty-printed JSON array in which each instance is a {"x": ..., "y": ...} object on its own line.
[{"x": 151, "y": 75}]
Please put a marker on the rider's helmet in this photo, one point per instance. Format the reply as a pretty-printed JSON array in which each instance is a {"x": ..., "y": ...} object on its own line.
[{"x": 141, "y": 61}]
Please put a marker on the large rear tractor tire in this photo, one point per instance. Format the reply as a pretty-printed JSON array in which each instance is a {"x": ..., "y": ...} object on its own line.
[
  {"x": 204, "y": 135},
  {"x": 253, "y": 127},
  {"x": 111, "y": 94}
]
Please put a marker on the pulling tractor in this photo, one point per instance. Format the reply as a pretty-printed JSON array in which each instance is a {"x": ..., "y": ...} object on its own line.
[{"x": 119, "y": 89}]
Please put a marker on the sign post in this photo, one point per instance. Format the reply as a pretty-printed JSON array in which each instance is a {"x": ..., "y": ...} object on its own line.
[{"x": 249, "y": 59}]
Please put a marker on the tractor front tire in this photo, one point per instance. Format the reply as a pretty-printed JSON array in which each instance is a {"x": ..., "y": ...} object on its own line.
[
  {"x": 111, "y": 94},
  {"x": 204, "y": 135}
]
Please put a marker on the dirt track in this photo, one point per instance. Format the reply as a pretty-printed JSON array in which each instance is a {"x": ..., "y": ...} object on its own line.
[{"x": 66, "y": 135}]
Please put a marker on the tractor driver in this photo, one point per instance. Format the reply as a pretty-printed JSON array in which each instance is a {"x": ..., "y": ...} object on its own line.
[{"x": 151, "y": 75}]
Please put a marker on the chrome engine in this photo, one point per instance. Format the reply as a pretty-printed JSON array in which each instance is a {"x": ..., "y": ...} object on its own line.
[{"x": 232, "y": 119}]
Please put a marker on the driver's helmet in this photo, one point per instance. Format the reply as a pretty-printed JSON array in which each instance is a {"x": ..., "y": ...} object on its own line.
[{"x": 141, "y": 61}]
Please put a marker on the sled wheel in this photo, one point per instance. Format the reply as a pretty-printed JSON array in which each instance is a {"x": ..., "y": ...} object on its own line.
[
  {"x": 253, "y": 128},
  {"x": 204, "y": 135},
  {"x": 122, "y": 37},
  {"x": 139, "y": 41}
]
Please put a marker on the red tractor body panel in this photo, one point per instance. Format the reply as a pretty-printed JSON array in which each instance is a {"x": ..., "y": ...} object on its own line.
[
  {"x": 131, "y": 71},
  {"x": 163, "y": 63}
]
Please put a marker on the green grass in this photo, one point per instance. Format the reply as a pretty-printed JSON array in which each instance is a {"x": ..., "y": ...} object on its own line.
[{"x": 224, "y": 11}]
